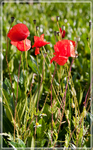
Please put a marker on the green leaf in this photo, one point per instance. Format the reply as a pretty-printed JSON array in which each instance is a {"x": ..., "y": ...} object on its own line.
[
  {"x": 21, "y": 105},
  {"x": 81, "y": 96},
  {"x": 19, "y": 90},
  {"x": 33, "y": 64},
  {"x": 7, "y": 107},
  {"x": 32, "y": 143},
  {"x": 18, "y": 144}
]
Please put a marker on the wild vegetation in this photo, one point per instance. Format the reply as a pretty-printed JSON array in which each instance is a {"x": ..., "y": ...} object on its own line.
[{"x": 45, "y": 103}]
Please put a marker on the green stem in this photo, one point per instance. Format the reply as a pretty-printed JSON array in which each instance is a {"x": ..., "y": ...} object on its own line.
[
  {"x": 39, "y": 93},
  {"x": 25, "y": 55},
  {"x": 17, "y": 95},
  {"x": 59, "y": 30},
  {"x": 51, "y": 104}
]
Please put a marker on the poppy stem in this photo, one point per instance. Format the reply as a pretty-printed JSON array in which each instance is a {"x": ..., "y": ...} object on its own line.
[
  {"x": 59, "y": 29},
  {"x": 39, "y": 94},
  {"x": 25, "y": 55},
  {"x": 51, "y": 104},
  {"x": 22, "y": 64},
  {"x": 10, "y": 82},
  {"x": 17, "y": 95},
  {"x": 85, "y": 103},
  {"x": 35, "y": 30}
]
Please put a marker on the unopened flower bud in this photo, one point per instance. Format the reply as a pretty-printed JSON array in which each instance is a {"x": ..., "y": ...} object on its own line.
[
  {"x": 55, "y": 33},
  {"x": 34, "y": 21},
  {"x": 87, "y": 38},
  {"x": 37, "y": 28},
  {"x": 78, "y": 39},
  {"x": 90, "y": 23},
  {"x": 57, "y": 18},
  {"x": 63, "y": 27},
  {"x": 58, "y": 33},
  {"x": 12, "y": 19}
]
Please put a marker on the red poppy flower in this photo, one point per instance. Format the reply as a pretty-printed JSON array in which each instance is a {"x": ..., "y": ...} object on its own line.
[
  {"x": 63, "y": 50},
  {"x": 39, "y": 42},
  {"x": 18, "y": 32},
  {"x": 62, "y": 32},
  {"x": 22, "y": 45}
]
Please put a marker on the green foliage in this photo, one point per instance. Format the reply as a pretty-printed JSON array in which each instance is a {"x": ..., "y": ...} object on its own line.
[{"x": 71, "y": 119}]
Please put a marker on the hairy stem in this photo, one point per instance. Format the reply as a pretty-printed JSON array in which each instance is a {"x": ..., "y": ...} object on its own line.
[
  {"x": 51, "y": 104},
  {"x": 85, "y": 104},
  {"x": 39, "y": 94},
  {"x": 17, "y": 95},
  {"x": 10, "y": 82}
]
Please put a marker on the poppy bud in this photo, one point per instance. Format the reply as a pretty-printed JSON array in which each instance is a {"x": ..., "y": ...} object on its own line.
[
  {"x": 90, "y": 23},
  {"x": 78, "y": 39},
  {"x": 37, "y": 28},
  {"x": 63, "y": 27},
  {"x": 55, "y": 33},
  {"x": 12, "y": 19},
  {"x": 57, "y": 18},
  {"x": 87, "y": 38},
  {"x": 58, "y": 33},
  {"x": 34, "y": 21}
]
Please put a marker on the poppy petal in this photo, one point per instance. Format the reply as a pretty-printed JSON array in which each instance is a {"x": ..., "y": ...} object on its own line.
[
  {"x": 36, "y": 38},
  {"x": 14, "y": 43},
  {"x": 33, "y": 46},
  {"x": 39, "y": 41},
  {"x": 56, "y": 48},
  {"x": 72, "y": 50},
  {"x": 42, "y": 36},
  {"x": 74, "y": 44},
  {"x": 61, "y": 60},
  {"x": 37, "y": 51},
  {"x": 62, "y": 32},
  {"x": 22, "y": 45},
  {"x": 18, "y": 32},
  {"x": 55, "y": 53}
]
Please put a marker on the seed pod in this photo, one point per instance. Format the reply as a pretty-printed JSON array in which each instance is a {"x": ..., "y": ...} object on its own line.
[
  {"x": 78, "y": 39},
  {"x": 55, "y": 33},
  {"x": 58, "y": 33},
  {"x": 57, "y": 18},
  {"x": 34, "y": 21},
  {"x": 37, "y": 28},
  {"x": 63, "y": 27},
  {"x": 87, "y": 38},
  {"x": 12, "y": 19},
  {"x": 90, "y": 23}
]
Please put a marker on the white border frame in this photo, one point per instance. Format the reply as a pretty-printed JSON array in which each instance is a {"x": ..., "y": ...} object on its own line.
[{"x": 40, "y": 1}]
